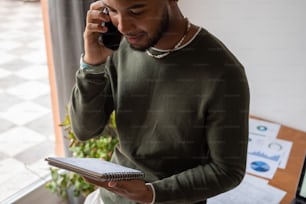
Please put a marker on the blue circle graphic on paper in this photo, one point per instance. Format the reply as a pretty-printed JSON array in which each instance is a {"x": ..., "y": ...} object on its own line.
[
  {"x": 260, "y": 166},
  {"x": 262, "y": 128}
]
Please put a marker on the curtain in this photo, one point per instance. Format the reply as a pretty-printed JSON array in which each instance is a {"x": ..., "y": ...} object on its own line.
[{"x": 67, "y": 23}]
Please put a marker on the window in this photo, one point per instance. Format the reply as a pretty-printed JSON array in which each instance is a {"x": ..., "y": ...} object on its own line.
[{"x": 26, "y": 124}]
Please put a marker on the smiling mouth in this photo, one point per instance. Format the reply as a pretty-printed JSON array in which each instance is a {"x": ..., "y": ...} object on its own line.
[{"x": 132, "y": 39}]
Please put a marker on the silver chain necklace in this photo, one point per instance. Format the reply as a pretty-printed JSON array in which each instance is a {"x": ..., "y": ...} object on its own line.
[{"x": 158, "y": 56}]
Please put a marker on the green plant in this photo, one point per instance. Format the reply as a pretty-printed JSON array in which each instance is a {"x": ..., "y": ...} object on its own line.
[{"x": 99, "y": 147}]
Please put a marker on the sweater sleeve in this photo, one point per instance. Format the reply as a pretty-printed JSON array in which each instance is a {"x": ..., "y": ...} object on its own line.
[
  {"x": 91, "y": 101},
  {"x": 226, "y": 131}
]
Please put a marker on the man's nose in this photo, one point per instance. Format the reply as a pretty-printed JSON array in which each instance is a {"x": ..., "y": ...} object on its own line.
[{"x": 125, "y": 24}]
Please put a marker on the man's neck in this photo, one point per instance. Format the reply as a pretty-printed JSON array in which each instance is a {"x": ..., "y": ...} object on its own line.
[{"x": 176, "y": 29}]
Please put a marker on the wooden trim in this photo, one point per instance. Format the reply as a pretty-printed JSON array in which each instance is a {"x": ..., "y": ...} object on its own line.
[{"x": 59, "y": 148}]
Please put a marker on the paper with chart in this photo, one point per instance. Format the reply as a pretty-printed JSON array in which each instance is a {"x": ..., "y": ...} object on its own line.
[
  {"x": 263, "y": 128},
  {"x": 270, "y": 148},
  {"x": 266, "y": 152}
]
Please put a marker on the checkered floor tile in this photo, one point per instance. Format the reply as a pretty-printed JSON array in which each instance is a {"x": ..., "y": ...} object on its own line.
[{"x": 26, "y": 125}]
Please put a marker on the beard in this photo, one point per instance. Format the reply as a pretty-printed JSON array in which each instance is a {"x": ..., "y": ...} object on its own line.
[{"x": 162, "y": 28}]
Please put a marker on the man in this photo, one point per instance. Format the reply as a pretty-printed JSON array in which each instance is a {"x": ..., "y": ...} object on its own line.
[{"x": 181, "y": 101}]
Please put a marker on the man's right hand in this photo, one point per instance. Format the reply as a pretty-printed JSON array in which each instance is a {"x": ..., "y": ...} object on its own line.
[{"x": 95, "y": 53}]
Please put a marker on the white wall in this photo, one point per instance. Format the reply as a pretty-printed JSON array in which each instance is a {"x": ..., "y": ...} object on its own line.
[{"x": 269, "y": 38}]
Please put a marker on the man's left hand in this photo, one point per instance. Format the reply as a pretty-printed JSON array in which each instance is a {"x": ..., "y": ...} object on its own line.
[{"x": 135, "y": 190}]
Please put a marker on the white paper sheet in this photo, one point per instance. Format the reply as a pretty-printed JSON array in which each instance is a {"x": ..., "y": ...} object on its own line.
[
  {"x": 250, "y": 191},
  {"x": 263, "y": 128},
  {"x": 270, "y": 148},
  {"x": 261, "y": 166}
]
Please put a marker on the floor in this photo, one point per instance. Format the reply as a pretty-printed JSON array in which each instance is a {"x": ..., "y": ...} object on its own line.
[{"x": 26, "y": 126}]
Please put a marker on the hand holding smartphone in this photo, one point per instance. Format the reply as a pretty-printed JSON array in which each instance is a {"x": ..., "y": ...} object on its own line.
[{"x": 111, "y": 39}]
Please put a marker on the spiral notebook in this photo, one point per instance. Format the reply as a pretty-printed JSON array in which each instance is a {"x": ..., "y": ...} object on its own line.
[{"x": 95, "y": 168}]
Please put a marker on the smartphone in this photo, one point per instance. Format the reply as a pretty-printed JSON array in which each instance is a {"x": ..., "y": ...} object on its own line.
[{"x": 111, "y": 39}]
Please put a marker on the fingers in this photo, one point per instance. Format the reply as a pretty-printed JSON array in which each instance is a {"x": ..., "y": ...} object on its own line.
[
  {"x": 96, "y": 5},
  {"x": 96, "y": 182},
  {"x": 116, "y": 187},
  {"x": 113, "y": 184},
  {"x": 135, "y": 184},
  {"x": 95, "y": 17},
  {"x": 94, "y": 21},
  {"x": 119, "y": 185},
  {"x": 94, "y": 51},
  {"x": 135, "y": 190}
]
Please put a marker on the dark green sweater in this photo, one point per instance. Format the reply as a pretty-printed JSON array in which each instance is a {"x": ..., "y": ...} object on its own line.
[{"x": 182, "y": 119}]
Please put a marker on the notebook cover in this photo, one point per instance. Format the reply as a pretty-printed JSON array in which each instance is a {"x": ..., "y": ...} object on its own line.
[{"x": 95, "y": 168}]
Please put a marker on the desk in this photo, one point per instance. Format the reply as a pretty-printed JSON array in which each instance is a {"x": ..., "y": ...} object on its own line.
[{"x": 287, "y": 179}]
